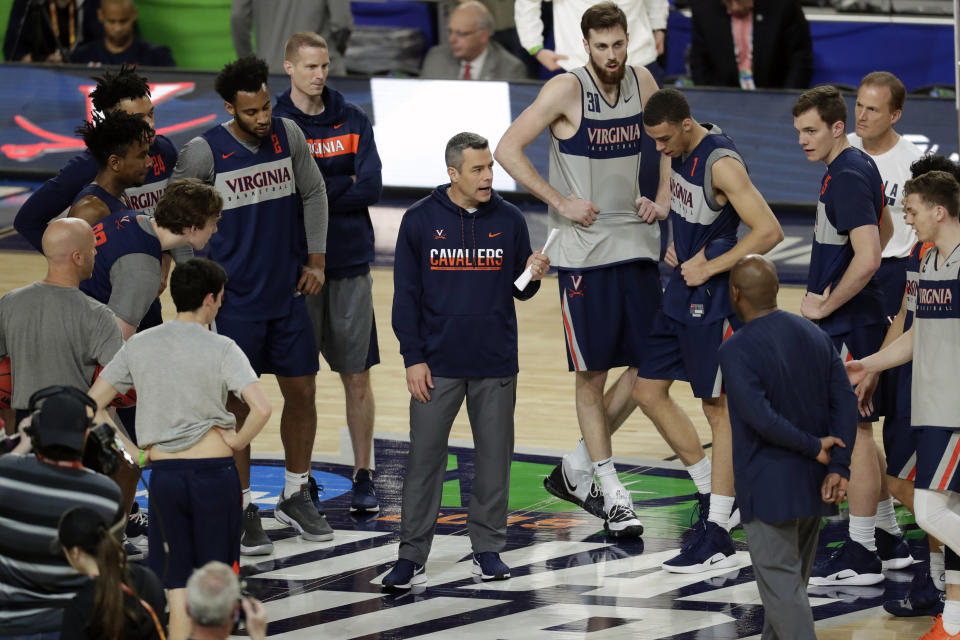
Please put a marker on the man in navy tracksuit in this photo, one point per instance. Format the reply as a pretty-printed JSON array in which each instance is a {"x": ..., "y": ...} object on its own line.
[
  {"x": 458, "y": 252},
  {"x": 126, "y": 91},
  {"x": 340, "y": 138},
  {"x": 793, "y": 416}
]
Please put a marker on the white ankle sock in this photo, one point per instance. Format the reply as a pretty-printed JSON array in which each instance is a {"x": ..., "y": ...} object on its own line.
[
  {"x": 951, "y": 617},
  {"x": 937, "y": 566},
  {"x": 720, "y": 508},
  {"x": 886, "y": 518},
  {"x": 247, "y": 499},
  {"x": 579, "y": 458},
  {"x": 700, "y": 474},
  {"x": 293, "y": 481},
  {"x": 861, "y": 530},
  {"x": 609, "y": 482}
]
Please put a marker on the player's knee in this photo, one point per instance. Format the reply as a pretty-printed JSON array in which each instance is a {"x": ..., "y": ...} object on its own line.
[
  {"x": 649, "y": 394},
  {"x": 299, "y": 392}
]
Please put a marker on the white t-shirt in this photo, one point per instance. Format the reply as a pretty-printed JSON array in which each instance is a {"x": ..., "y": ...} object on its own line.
[
  {"x": 643, "y": 17},
  {"x": 894, "y": 166}
]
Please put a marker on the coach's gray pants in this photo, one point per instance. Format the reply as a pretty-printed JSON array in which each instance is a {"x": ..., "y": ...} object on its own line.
[
  {"x": 782, "y": 556},
  {"x": 490, "y": 404}
]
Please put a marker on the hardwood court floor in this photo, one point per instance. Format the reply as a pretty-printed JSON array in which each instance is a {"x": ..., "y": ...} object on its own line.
[{"x": 545, "y": 407}]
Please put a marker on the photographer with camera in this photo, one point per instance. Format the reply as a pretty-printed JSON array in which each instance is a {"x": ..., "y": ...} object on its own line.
[
  {"x": 36, "y": 583},
  {"x": 121, "y": 601},
  {"x": 215, "y": 604},
  {"x": 183, "y": 374}
]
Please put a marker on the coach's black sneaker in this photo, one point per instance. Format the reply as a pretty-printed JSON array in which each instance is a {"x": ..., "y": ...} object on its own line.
[
  {"x": 299, "y": 512},
  {"x": 620, "y": 520},
  {"x": 923, "y": 599},
  {"x": 253, "y": 541},
  {"x": 404, "y": 575},
  {"x": 315, "y": 490},
  {"x": 580, "y": 488},
  {"x": 364, "y": 497},
  {"x": 893, "y": 550},
  {"x": 489, "y": 566}
]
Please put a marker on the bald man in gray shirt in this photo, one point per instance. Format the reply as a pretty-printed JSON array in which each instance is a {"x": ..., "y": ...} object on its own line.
[{"x": 52, "y": 332}]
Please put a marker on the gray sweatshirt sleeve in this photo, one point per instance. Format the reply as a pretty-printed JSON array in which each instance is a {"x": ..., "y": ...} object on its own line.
[
  {"x": 195, "y": 161},
  {"x": 312, "y": 188}
]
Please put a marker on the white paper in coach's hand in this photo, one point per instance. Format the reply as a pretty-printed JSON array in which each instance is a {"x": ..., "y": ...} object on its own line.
[{"x": 525, "y": 277}]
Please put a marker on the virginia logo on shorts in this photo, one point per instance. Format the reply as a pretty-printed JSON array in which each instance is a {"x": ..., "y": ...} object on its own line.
[{"x": 576, "y": 291}]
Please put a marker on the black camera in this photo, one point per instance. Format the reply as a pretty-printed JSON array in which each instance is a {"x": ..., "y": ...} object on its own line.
[{"x": 101, "y": 452}]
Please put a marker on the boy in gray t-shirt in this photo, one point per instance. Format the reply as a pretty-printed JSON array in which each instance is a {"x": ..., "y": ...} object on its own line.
[{"x": 182, "y": 373}]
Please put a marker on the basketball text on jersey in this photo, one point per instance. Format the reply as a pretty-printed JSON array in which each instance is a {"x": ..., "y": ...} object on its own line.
[{"x": 259, "y": 183}]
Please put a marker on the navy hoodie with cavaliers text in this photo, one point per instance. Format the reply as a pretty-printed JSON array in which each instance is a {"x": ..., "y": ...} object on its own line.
[{"x": 453, "y": 286}]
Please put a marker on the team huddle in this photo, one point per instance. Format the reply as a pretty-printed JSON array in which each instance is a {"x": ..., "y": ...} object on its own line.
[{"x": 282, "y": 221}]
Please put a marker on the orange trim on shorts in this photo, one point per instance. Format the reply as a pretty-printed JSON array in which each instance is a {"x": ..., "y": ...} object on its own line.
[
  {"x": 945, "y": 479},
  {"x": 569, "y": 332}
]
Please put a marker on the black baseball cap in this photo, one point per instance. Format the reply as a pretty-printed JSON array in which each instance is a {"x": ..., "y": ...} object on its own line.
[
  {"x": 79, "y": 527},
  {"x": 61, "y": 420}
]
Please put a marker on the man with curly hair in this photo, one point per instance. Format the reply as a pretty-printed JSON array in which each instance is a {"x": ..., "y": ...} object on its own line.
[
  {"x": 124, "y": 90},
  {"x": 263, "y": 168}
]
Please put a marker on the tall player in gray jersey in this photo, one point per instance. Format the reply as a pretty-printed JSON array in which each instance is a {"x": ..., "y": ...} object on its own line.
[
  {"x": 608, "y": 245},
  {"x": 933, "y": 343}
]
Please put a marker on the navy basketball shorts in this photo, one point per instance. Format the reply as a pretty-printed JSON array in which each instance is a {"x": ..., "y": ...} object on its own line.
[
  {"x": 900, "y": 447},
  {"x": 690, "y": 352},
  {"x": 938, "y": 456},
  {"x": 283, "y": 346},
  {"x": 607, "y": 313},
  {"x": 856, "y": 345},
  {"x": 196, "y": 507}
]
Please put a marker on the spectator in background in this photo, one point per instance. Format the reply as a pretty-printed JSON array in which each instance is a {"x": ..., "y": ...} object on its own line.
[
  {"x": 33, "y": 37},
  {"x": 213, "y": 601},
  {"x": 752, "y": 44},
  {"x": 505, "y": 31},
  {"x": 35, "y": 490},
  {"x": 119, "y": 43},
  {"x": 648, "y": 28},
  {"x": 273, "y": 21},
  {"x": 470, "y": 54},
  {"x": 121, "y": 601}
]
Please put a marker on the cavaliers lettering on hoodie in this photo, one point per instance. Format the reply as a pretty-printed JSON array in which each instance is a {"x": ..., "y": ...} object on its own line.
[{"x": 453, "y": 286}]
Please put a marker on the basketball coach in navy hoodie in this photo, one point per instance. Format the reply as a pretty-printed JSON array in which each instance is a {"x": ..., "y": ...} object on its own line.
[
  {"x": 340, "y": 137},
  {"x": 458, "y": 252}
]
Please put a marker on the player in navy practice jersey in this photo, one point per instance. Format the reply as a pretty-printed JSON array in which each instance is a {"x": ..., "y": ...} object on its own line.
[
  {"x": 119, "y": 142},
  {"x": 899, "y": 440},
  {"x": 130, "y": 246},
  {"x": 843, "y": 297},
  {"x": 125, "y": 91},
  {"x": 341, "y": 140},
  {"x": 710, "y": 193},
  {"x": 607, "y": 247},
  {"x": 262, "y": 168},
  {"x": 933, "y": 343}
]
